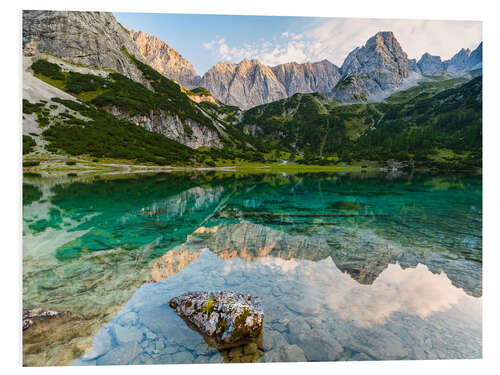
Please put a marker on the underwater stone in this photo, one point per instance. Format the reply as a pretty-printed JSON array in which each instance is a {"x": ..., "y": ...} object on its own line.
[
  {"x": 226, "y": 319},
  {"x": 31, "y": 316}
]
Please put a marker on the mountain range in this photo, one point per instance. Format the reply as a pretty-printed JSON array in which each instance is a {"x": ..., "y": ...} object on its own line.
[{"x": 370, "y": 72}]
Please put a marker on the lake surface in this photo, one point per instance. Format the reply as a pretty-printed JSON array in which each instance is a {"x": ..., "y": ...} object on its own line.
[{"x": 348, "y": 267}]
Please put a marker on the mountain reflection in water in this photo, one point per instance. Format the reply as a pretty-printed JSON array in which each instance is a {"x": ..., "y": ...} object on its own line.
[
  {"x": 349, "y": 267},
  {"x": 313, "y": 311}
]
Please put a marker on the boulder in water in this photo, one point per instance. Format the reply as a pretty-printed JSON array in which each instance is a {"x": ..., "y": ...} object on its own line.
[{"x": 226, "y": 318}]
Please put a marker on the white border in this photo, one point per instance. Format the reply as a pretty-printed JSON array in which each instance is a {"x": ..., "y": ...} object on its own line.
[{"x": 485, "y": 11}]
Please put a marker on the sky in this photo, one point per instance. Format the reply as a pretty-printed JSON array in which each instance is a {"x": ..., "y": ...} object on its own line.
[{"x": 207, "y": 39}]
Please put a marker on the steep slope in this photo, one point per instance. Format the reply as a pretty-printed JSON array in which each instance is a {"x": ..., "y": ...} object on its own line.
[
  {"x": 442, "y": 130},
  {"x": 58, "y": 122},
  {"x": 245, "y": 85},
  {"x": 164, "y": 59},
  {"x": 85, "y": 54},
  {"x": 421, "y": 124},
  {"x": 307, "y": 123},
  {"x": 380, "y": 66},
  {"x": 412, "y": 64},
  {"x": 92, "y": 39},
  {"x": 429, "y": 64},
  {"x": 459, "y": 62},
  {"x": 309, "y": 77},
  {"x": 476, "y": 58},
  {"x": 463, "y": 61},
  {"x": 252, "y": 83},
  {"x": 165, "y": 109}
]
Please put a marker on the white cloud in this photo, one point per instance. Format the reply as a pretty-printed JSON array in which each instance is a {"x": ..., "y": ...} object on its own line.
[{"x": 334, "y": 38}]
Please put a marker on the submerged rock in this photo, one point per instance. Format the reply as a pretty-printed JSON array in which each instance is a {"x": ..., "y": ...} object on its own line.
[
  {"x": 226, "y": 318},
  {"x": 31, "y": 316}
]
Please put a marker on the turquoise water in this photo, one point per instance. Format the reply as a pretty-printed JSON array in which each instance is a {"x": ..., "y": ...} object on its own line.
[{"x": 349, "y": 267}]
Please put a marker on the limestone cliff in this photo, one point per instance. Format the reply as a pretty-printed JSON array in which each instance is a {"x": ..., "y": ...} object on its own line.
[
  {"x": 251, "y": 83},
  {"x": 463, "y": 61},
  {"x": 379, "y": 67},
  {"x": 320, "y": 77},
  {"x": 95, "y": 43},
  {"x": 164, "y": 59},
  {"x": 92, "y": 39}
]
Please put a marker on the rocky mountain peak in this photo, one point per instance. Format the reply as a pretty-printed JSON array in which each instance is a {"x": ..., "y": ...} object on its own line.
[
  {"x": 164, "y": 59},
  {"x": 66, "y": 34},
  {"x": 250, "y": 82},
  {"x": 382, "y": 38},
  {"x": 379, "y": 66},
  {"x": 380, "y": 51},
  {"x": 476, "y": 58},
  {"x": 464, "y": 60},
  {"x": 430, "y": 64},
  {"x": 465, "y": 52},
  {"x": 458, "y": 62}
]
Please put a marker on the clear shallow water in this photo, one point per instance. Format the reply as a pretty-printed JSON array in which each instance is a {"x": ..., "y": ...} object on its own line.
[{"x": 348, "y": 267}]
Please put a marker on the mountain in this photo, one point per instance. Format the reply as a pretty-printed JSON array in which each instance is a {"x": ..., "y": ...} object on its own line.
[
  {"x": 86, "y": 55},
  {"x": 370, "y": 72},
  {"x": 245, "y": 85},
  {"x": 476, "y": 58},
  {"x": 91, "y": 39},
  {"x": 459, "y": 62},
  {"x": 88, "y": 90},
  {"x": 429, "y": 64},
  {"x": 250, "y": 83},
  {"x": 164, "y": 59},
  {"x": 436, "y": 123},
  {"x": 412, "y": 64},
  {"x": 379, "y": 66},
  {"x": 463, "y": 61},
  {"x": 309, "y": 77}
]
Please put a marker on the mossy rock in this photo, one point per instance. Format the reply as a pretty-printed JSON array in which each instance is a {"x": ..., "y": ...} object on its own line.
[{"x": 228, "y": 319}]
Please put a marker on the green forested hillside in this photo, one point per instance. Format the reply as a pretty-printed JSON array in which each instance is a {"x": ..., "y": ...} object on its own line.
[
  {"x": 436, "y": 124},
  {"x": 108, "y": 136},
  {"x": 104, "y": 135}
]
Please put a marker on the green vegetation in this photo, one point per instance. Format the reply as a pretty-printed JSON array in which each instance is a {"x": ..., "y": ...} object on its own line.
[
  {"x": 208, "y": 306},
  {"x": 48, "y": 69},
  {"x": 28, "y": 144},
  {"x": 424, "y": 89},
  {"x": 413, "y": 125},
  {"x": 42, "y": 113},
  {"x": 123, "y": 93},
  {"x": 77, "y": 83},
  {"x": 29, "y": 108},
  {"x": 30, "y": 163},
  {"x": 108, "y": 136},
  {"x": 167, "y": 96},
  {"x": 201, "y": 91},
  {"x": 435, "y": 124}
]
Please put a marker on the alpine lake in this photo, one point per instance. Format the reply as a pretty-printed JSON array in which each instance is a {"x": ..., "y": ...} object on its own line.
[{"x": 348, "y": 266}]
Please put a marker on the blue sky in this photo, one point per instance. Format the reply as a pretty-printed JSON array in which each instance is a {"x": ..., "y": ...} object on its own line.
[{"x": 207, "y": 39}]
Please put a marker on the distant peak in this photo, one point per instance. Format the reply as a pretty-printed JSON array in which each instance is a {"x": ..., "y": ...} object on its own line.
[
  {"x": 385, "y": 34},
  {"x": 383, "y": 39},
  {"x": 465, "y": 51},
  {"x": 427, "y": 55}
]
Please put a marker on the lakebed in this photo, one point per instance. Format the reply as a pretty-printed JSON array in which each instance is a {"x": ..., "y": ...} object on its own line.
[{"x": 349, "y": 266}]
